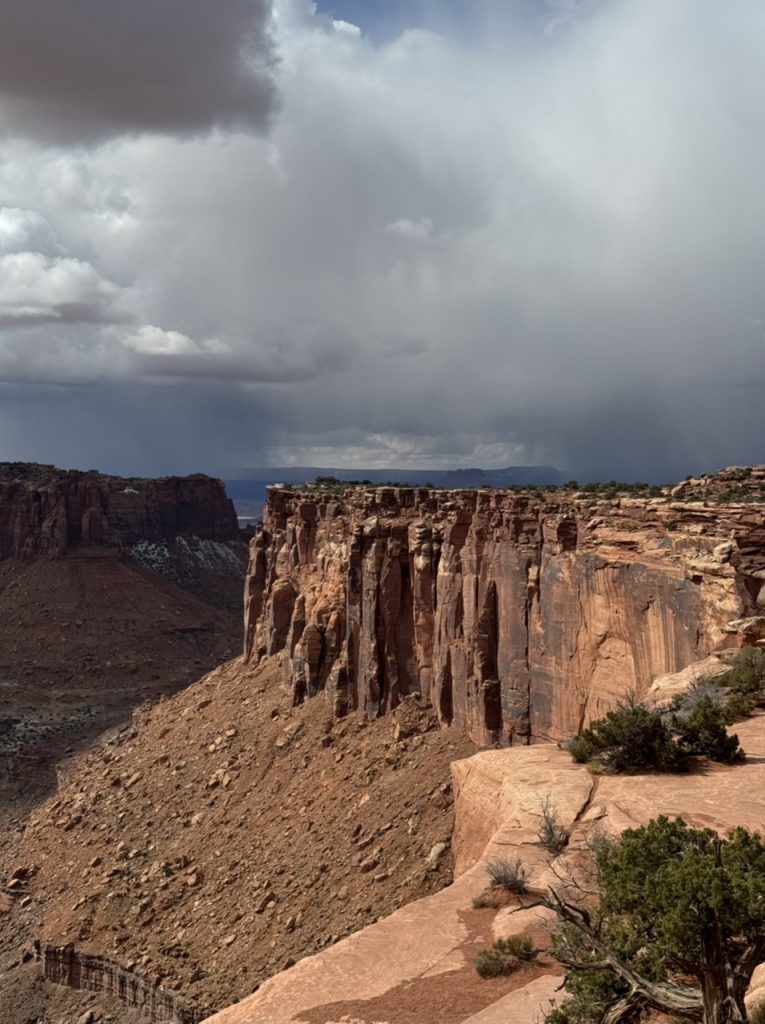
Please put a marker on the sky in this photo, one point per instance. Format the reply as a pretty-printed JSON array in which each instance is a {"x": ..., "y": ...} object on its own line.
[{"x": 365, "y": 234}]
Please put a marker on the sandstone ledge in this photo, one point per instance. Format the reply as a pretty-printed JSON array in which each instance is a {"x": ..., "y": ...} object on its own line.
[{"x": 499, "y": 797}]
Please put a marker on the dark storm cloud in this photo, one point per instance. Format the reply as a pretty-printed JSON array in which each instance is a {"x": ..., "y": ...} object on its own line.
[
  {"x": 541, "y": 241},
  {"x": 135, "y": 429},
  {"x": 85, "y": 70}
]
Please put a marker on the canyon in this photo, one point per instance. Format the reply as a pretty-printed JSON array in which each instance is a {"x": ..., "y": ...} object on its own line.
[
  {"x": 112, "y": 591},
  {"x": 299, "y": 834}
]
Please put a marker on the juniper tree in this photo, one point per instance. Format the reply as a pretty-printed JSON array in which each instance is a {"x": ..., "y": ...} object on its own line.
[{"x": 679, "y": 927}]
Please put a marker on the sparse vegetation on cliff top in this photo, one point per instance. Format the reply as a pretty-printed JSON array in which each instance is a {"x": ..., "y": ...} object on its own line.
[
  {"x": 505, "y": 956},
  {"x": 637, "y": 738}
]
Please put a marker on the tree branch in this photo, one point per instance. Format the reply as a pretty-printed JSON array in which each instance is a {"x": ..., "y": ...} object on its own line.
[
  {"x": 623, "y": 1012},
  {"x": 670, "y": 998}
]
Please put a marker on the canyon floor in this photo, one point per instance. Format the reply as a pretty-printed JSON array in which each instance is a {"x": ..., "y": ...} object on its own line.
[
  {"x": 85, "y": 638},
  {"x": 226, "y": 834}
]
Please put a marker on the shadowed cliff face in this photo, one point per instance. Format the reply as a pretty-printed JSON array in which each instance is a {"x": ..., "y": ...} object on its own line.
[
  {"x": 44, "y": 510},
  {"x": 520, "y": 617}
]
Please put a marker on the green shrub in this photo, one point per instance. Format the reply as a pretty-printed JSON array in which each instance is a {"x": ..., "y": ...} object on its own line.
[
  {"x": 505, "y": 956},
  {"x": 557, "y": 1016},
  {"x": 702, "y": 733},
  {"x": 589, "y": 997},
  {"x": 637, "y": 738},
  {"x": 631, "y": 738},
  {"x": 738, "y": 706},
  {"x": 746, "y": 674},
  {"x": 737, "y": 692},
  {"x": 507, "y": 874},
  {"x": 704, "y": 688}
]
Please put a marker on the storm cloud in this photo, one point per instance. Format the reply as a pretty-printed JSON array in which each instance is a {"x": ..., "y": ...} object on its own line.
[
  {"x": 85, "y": 70},
  {"x": 538, "y": 238}
]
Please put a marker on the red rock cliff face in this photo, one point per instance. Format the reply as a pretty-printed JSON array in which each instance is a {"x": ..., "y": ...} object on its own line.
[
  {"x": 44, "y": 510},
  {"x": 521, "y": 618}
]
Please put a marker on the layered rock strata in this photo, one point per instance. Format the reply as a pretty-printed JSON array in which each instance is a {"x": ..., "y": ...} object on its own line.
[
  {"x": 47, "y": 511},
  {"x": 520, "y": 616}
]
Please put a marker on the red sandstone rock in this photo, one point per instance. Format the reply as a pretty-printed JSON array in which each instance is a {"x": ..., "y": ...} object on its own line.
[
  {"x": 519, "y": 616},
  {"x": 383, "y": 972},
  {"x": 44, "y": 510}
]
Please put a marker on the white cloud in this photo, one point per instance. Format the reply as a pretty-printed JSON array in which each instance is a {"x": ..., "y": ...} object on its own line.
[
  {"x": 34, "y": 287},
  {"x": 26, "y": 230},
  {"x": 420, "y": 229},
  {"x": 346, "y": 28},
  {"x": 151, "y": 340}
]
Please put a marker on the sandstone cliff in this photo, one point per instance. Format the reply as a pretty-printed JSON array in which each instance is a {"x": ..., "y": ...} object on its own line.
[
  {"x": 521, "y": 616},
  {"x": 44, "y": 510}
]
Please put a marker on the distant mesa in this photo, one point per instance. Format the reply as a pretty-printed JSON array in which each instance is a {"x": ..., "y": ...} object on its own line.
[{"x": 46, "y": 510}]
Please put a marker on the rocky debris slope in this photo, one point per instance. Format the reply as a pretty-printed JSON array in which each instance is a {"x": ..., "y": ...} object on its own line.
[
  {"x": 415, "y": 967},
  {"x": 84, "y": 641},
  {"x": 111, "y": 590},
  {"x": 520, "y": 616},
  {"x": 227, "y": 834}
]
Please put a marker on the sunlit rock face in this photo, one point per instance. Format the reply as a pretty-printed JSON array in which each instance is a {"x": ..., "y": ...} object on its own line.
[{"x": 521, "y": 616}]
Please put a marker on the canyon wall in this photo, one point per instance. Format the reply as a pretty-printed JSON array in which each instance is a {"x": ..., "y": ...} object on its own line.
[
  {"x": 520, "y": 616},
  {"x": 48, "y": 511}
]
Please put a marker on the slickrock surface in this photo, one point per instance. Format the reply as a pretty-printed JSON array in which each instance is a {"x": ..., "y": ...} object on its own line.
[
  {"x": 518, "y": 615},
  {"x": 384, "y": 975},
  {"x": 227, "y": 833}
]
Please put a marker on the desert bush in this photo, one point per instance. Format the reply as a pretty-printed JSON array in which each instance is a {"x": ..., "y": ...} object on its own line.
[
  {"x": 736, "y": 692},
  {"x": 507, "y": 874},
  {"x": 757, "y": 1016},
  {"x": 590, "y": 995},
  {"x": 635, "y": 738},
  {"x": 505, "y": 956},
  {"x": 552, "y": 836},
  {"x": 704, "y": 688},
  {"x": 702, "y": 733},
  {"x": 631, "y": 738},
  {"x": 746, "y": 674}
]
